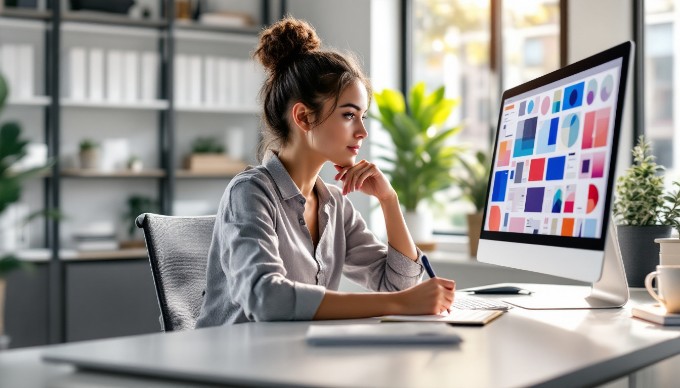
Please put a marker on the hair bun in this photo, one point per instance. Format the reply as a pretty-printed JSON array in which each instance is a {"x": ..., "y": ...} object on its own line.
[{"x": 285, "y": 40}]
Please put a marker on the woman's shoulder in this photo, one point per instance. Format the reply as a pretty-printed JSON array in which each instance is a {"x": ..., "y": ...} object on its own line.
[{"x": 252, "y": 178}]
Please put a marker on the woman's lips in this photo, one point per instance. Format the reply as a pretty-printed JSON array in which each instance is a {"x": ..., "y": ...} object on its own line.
[{"x": 354, "y": 150}]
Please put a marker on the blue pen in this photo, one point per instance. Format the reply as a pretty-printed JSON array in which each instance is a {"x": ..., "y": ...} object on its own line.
[{"x": 428, "y": 267}]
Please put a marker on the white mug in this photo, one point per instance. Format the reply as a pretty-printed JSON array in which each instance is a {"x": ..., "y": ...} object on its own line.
[{"x": 669, "y": 286}]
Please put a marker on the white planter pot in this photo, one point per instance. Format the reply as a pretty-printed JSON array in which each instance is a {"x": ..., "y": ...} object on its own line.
[{"x": 419, "y": 224}]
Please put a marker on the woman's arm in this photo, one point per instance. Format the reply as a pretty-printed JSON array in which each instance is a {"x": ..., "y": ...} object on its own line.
[
  {"x": 367, "y": 178},
  {"x": 433, "y": 296}
]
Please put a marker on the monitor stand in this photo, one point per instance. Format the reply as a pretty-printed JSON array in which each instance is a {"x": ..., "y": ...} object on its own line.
[{"x": 611, "y": 291}]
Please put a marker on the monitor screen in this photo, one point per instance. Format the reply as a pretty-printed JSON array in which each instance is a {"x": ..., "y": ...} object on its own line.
[{"x": 553, "y": 163}]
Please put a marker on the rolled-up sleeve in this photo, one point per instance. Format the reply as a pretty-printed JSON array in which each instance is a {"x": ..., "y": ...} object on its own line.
[
  {"x": 250, "y": 258},
  {"x": 371, "y": 263}
]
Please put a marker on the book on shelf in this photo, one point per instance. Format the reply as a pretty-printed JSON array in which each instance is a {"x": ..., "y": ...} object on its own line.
[{"x": 657, "y": 314}]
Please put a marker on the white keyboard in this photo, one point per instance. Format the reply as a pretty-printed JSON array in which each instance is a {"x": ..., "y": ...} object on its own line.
[{"x": 468, "y": 302}]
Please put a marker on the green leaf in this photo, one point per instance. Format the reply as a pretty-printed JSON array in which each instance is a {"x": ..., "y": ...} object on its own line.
[
  {"x": 4, "y": 91},
  {"x": 416, "y": 98}
]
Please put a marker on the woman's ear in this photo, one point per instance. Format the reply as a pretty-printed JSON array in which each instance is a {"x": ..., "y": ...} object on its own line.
[{"x": 302, "y": 116}]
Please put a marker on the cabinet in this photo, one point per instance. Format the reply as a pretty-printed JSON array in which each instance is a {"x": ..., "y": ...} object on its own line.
[{"x": 156, "y": 83}]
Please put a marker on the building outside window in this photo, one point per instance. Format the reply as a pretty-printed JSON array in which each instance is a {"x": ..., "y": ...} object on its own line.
[
  {"x": 661, "y": 80},
  {"x": 452, "y": 47}
]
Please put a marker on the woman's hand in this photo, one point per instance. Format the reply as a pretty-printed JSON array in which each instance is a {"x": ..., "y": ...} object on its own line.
[
  {"x": 433, "y": 296},
  {"x": 367, "y": 178}
]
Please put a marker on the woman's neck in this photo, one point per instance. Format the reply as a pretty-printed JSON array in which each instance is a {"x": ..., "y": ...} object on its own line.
[{"x": 302, "y": 167}]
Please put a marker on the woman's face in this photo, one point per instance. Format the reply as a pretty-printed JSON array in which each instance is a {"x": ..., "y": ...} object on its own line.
[{"x": 339, "y": 137}]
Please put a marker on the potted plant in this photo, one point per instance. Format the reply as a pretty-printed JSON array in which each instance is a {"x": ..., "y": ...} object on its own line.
[
  {"x": 669, "y": 248},
  {"x": 89, "y": 154},
  {"x": 136, "y": 205},
  {"x": 208, "y": 156},
  {"x": 12, "y": 150},
  {"x": 473, "y": 185},
  {"x": 422, "y": 160},
  {"x": 643, "y": 213}
]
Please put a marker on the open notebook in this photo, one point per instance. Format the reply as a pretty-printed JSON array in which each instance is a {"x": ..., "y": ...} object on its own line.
[{"x": 456, "y": 317}]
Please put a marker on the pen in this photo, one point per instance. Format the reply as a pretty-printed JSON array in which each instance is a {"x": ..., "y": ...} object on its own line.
[{"x": 428, "y": 267}]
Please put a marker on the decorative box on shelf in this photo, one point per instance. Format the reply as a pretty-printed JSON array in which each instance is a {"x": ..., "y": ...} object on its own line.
[{"x": 214, "y": 163}]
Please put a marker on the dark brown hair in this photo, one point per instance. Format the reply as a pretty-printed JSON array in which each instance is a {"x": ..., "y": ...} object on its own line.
[{"x": 298, "y": 71}]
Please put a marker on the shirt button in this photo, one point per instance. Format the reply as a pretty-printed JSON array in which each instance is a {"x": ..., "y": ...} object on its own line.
[{"x": 302, "y": 221}]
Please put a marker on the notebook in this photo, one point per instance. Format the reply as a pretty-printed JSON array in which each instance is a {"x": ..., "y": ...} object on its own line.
[
  {"x": 657, "y": 314},
  {"x": 371, "y": 334},
  {"x": 455, "y": 317}
]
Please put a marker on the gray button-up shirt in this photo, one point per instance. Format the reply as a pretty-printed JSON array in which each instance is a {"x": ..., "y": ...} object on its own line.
[{"x": 262, "y": 265}]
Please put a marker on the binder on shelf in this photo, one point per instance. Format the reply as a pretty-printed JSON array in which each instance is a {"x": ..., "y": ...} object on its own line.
[
  {"x": 96, "y": 75},
  {"x": 149, "y": 76},
  {"x": 180, "y": 78},
  {"x": 223, "y": 79},
  {"x": 131, "y": 76},
  {"x": 114, "y": 77},
  {"x": 77, "y": 72},
  {"x": 209, "y": 81},
  {"x": 195, "y": 84},
  {"x": 26, "y": 68},
  {"x": 236, "y": 86},
  {"x": 8, "y": 66}
]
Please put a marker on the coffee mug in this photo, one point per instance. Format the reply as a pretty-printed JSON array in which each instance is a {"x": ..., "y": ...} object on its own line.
[
  {"x": 669, "y": 286},
  {"x": 669, "y": 259}
]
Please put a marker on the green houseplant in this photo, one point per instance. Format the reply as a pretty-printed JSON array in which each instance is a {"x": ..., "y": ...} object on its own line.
[
  {"x": 473, "y": 183},
  {"x": 12, "y": 149},
  {"x": 422, "y": 160},
  {"x": 89, "y": 154},
  {"x": 643, "y": 212},
  {"x": 136, "y": 205}
]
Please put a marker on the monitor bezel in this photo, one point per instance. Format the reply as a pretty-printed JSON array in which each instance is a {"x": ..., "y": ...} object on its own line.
[{"x": 622, "y": 51}]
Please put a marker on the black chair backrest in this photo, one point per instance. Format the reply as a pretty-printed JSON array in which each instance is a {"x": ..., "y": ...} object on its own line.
[{"x": 178, "y": 254}]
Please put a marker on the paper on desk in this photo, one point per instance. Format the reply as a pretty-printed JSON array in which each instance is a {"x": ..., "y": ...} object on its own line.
[{"x": 397, "y": 333}]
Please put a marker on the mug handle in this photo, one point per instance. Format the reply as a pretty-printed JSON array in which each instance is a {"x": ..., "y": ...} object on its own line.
[{"x": 648, "y": 285}]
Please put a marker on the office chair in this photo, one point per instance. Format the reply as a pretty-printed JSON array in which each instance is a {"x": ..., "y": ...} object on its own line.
[{"x": 178, "y": 255}]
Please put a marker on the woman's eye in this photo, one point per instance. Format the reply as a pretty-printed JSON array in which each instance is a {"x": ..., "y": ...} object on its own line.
[
  {"x": 349, "y": 115},
  {"x": 363, "y": 118}
]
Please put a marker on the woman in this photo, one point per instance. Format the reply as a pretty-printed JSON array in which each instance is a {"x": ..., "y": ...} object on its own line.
[{"x": 282, "y": 237}]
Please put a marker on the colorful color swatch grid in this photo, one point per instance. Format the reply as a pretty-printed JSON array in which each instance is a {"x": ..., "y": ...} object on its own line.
[{"x": 552, "y": 159}]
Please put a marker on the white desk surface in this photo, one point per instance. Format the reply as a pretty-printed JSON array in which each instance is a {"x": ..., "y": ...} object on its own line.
[{"x": 521, "y": 348}]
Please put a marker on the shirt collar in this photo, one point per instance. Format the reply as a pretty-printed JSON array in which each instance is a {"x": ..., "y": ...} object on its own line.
[{"x": 287, "y": 187}]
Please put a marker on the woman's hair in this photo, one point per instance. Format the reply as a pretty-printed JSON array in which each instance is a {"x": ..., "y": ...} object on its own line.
[{"x": 298, "y": 71}]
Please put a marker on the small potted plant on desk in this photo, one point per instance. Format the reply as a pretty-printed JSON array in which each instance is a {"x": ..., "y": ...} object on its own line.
[
  {"x": 208, "y": 156},
  {"x": 473, "y": 186},
  {"x": 422, "y": 160},
  {"x": 643, "y": 213}
]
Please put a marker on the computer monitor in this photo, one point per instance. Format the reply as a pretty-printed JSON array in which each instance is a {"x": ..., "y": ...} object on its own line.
[{"x": 550, "y": 188}]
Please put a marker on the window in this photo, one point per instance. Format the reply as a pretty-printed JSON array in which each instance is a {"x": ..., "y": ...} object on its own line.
[
  {"x": 452, "y": 47},
  {"x": 661, "y": 79}
]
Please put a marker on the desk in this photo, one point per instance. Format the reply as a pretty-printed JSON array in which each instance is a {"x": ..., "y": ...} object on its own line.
[{"x": 521, "y": 348}]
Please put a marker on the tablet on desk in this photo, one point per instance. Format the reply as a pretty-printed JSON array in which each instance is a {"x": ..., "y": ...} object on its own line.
[{"x": 455, "y": 317}]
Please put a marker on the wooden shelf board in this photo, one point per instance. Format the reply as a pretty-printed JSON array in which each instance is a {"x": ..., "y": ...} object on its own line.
[
  {"x": 136, "y": 253},
  {"x": 25, "y": 13},
  {"x": 187, "y": 25},
  {"x": 207, "y": 174},
  {"x": 82, "y": 173},
  {"x": 30, "y": 101},
  {"x": 111, "y": 19},
  {"x": 218, "y": 109},
  {"x": 149, "y": 105}
]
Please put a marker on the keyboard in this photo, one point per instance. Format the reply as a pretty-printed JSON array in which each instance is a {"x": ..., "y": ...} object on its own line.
[{"x": 468, "y": 302}]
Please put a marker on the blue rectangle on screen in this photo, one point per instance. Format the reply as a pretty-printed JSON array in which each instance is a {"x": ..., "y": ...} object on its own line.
[
  {"x": 552, "y": 138},
  {"x": 573, "y": 96},
  {"x": 534, "y": 201},
  {"x": 555, "y": 170},
  {"x": 500, "y": 184}
]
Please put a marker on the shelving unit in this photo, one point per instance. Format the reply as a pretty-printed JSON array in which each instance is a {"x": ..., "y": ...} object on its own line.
[{"x": 161, "y": 130}]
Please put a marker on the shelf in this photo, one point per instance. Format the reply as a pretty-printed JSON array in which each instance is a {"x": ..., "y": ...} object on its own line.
[
  {"x": 30, "y": 101},
  {"x": 135, "y": 253},
  {"x": 25, "y": 13},
  {"x": 218, "y": 109},
  {"x": 105, "y": 29},
  {"x": 140, "y": 105},
  {"x": 192, "y": 30},
  {"x": 81, "y": 173},
  {"x": 188, "y": 174},
  {"x": 111, "y": 19}
]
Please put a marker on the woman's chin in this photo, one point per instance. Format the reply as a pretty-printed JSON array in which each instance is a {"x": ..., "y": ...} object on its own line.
[{"x": 344, "y": 162}]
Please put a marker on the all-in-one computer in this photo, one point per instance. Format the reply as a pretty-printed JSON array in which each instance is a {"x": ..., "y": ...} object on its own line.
[{"x": 552, "y": 174}]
